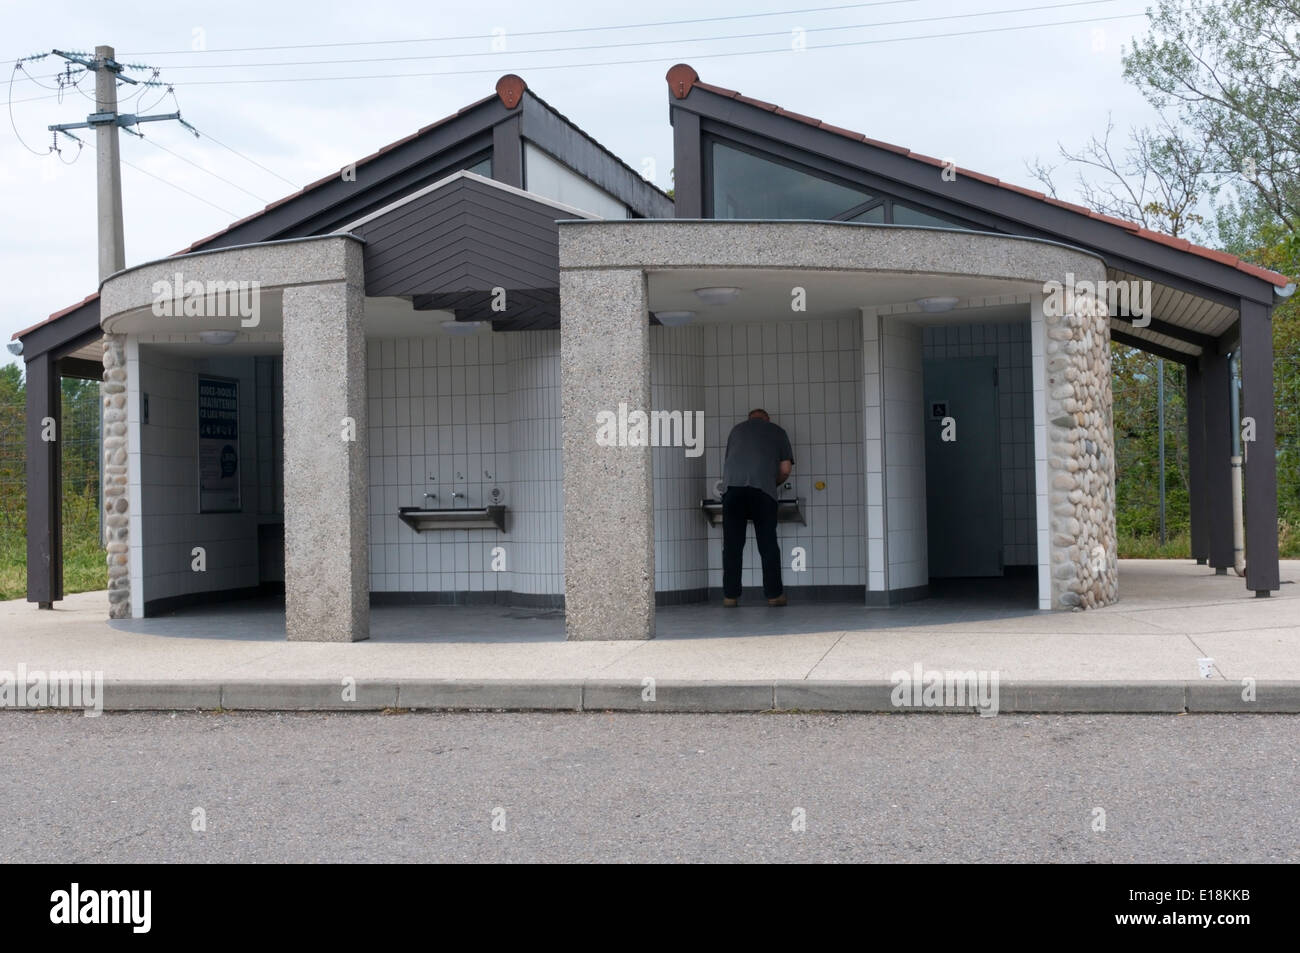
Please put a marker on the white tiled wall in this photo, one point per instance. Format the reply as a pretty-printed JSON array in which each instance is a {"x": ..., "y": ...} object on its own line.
[
  {"x": 903, "y": 453},
  {"x": 270, "y": 435},
  {"x": 466, "y": 415},
  {"x": 1010, "y": 344},
  {"x": 1038, "y": 357},
  {"x": 808, "y": 376},
  {"x": 166, "y": 475},
  {"x": 681, "y": 533},
  {"x": 536, "y": 538}
]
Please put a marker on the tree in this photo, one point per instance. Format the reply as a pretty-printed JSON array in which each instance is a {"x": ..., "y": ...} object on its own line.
[
  {"x": 1230, "y": 71},
  {"x": 1158, "y": 179},
  {"x": 13, "y": 467}
]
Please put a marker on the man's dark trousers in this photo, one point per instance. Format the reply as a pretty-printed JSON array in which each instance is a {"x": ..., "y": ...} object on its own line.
[{"x": 740, "y": 504}]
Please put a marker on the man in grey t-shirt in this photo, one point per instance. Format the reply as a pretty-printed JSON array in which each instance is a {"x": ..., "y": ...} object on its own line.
[{"x": 758, "y": 461}]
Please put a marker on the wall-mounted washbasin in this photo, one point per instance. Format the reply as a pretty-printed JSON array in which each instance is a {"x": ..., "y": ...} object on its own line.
[
  {"x": 484, "y": 517},
  {"x": 787, "y": 511}
]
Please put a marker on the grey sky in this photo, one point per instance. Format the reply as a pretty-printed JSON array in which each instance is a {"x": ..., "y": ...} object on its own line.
[{"x": 991, "y": 101}]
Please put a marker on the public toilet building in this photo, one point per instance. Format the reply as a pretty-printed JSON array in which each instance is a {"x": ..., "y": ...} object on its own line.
[{"x": 390, "y": 387}]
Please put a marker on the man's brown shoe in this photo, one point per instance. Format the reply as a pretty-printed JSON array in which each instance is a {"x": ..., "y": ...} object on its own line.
[
  {"x": 730, "y": 603},
  {"x": 778, "y": 601}
]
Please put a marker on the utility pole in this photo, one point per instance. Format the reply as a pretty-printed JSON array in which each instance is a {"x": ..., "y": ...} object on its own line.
[{"x": 108, "y": 166}]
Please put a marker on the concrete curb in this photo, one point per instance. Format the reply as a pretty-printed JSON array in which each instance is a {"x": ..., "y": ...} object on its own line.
[{"x": 679, "y": 695}]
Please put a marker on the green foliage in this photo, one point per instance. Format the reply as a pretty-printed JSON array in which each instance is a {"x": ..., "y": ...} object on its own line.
[
  {"x": 1177, "y": 546},
  {"x": 1229, "y": 72},
  {"x": 1134, "y": 382},
  {"x": 84, "y": 566}
]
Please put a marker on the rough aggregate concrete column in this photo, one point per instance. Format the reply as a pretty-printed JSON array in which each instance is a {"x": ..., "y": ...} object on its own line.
[
  {"x": 609, "y": 558},
  {"x": 326, "y": 558}
]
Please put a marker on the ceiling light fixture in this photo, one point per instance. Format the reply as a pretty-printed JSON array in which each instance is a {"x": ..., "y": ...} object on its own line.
[
  {"x": 220, "y": 337},
  {"x": 717, "y": 295},
  {"x": 937, "y": 305},
  {"x": 675, "y": 319},
  {"x": 461, "y": 328}
]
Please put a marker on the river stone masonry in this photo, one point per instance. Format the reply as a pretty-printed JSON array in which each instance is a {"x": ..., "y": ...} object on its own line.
[
  {"x": 1081, "y": 455},
  {"x": 116, "y": 516}
]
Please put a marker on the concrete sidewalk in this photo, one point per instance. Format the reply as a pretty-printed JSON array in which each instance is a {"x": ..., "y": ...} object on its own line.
[{"x": 1138, "y": 655}]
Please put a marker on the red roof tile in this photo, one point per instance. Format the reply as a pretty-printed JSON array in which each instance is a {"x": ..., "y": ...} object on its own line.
[
  {"x": 685, "y": 78},
  {"x": 770, "y": 107},
  {"x": 978, "y": 176},
  {"x": 889, "y": 146},
  {"x": 808, "y": 120}
]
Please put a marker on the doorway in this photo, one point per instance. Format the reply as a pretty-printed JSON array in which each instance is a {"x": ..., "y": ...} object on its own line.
[{"x": 963, "y": 477}]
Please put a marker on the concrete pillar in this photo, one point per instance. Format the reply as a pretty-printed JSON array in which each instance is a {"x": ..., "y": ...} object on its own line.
[
  {"x": 326, "y": 557},
  {"x": 1260, "y": 478},
  {"x": 609, "y": 562}
]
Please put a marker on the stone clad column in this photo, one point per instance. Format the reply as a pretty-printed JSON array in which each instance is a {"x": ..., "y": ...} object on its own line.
[
  {"x": 1080, "y": 450},
  {"x": 116, "y": 448},
  {"x": 326, "y": 558},
  {"x": 609, "y": 562}
]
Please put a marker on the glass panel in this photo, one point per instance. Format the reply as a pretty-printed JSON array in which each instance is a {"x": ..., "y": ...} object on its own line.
[
  {"x": 483, "y": 167},
  {"x": 906, "y": 215},
  {"x": 876, "y": 214},
  {"x": 745, "y": 186}
]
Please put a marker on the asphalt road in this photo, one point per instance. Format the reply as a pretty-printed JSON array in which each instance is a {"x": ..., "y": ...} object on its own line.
[{"x": 629, "y": 787}]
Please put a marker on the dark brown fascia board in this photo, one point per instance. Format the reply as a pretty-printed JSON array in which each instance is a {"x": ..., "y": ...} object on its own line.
[
  {"x": 66, "y": 333},
  {"x": 391, "y": 169},
  {"x": 554, "y": 134},
  {"x": 1159, "y": 350},
  {"x": 1178, "y": 333},
  {"x": 1113, "y": 242},
  {"x": 81, "y": 368}
]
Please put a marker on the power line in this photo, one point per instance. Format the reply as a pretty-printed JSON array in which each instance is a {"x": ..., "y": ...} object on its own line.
[
  {"x": 231, "y": 149},
  {"x": 138, "y": 94},
  {"x": 179, "y": 189},
  {"x": 554, "y": 32},
  {"x": 660, "y": 59},
  {"x": 159, "y": 145},
  {"x": 173, "y": 185},
  {"x": 635, "y": 43}
]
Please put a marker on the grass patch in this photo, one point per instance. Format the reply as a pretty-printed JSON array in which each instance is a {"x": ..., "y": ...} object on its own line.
[
  {"x": 1177, "y": 546},
  {"x": 85, "y": 568}
]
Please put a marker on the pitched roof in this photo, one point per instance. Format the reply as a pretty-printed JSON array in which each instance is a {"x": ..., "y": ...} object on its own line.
[
  {"x": 682, "y": 79},
  {"x": 510, "y": 90}
]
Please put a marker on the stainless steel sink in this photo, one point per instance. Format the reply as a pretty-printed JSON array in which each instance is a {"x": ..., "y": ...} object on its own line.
[
  {"x": 787, "y": 511},
  {"x": 484, "y": 517}
]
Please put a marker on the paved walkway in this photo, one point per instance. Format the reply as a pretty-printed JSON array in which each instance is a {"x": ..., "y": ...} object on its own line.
[{"x": 1140, "y": 654}]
